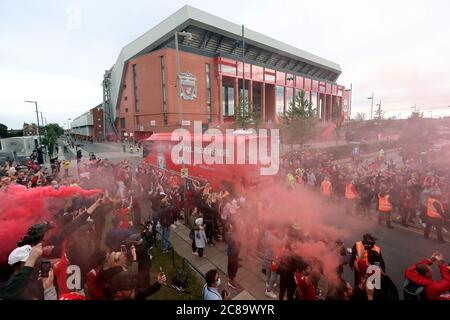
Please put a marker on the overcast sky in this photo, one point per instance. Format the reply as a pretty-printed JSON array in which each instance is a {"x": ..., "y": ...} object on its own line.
[{"x": 400, "y": 50}]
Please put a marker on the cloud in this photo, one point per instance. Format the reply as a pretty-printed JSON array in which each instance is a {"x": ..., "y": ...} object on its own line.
[{"x": 396, "y": 49}]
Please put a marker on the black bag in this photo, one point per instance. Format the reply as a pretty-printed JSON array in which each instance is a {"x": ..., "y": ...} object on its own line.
[
  {"x": 180, "y": 279},
  {"x": 412, "y": 291}
]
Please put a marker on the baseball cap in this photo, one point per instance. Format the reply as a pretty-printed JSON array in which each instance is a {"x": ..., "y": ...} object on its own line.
[{"x": 19, "y": 254}]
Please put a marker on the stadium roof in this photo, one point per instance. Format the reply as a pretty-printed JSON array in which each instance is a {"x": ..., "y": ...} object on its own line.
[{"x": 215, "y": 36}]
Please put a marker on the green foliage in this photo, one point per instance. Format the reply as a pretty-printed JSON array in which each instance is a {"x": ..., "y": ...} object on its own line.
[
  {"x": 299, "y": 120},
  {"x": 416, "y": 115},
  {"x": 336, "y": 114},
  {"x": 245, "y": 116},
  {"x": 52, "y": 132},
  {"x": 360, "y": 116},
  {"x": 56, "y": 128},
  {"x": 379, "y": 114},
  {"x": 3, "y": 130}
]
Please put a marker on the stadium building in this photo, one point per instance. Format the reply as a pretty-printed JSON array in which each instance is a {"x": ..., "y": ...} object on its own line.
[{"x": 141, "y": 93}]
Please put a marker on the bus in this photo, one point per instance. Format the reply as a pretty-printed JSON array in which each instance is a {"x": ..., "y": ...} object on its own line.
[{"x": 232, "y": 175}]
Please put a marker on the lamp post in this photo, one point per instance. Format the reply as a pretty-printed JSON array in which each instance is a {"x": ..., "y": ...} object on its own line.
[
  {"x": 189, "y": 37},
  {"x": 42, "y": 122},
  {"x": 371, "y": 106},
  {"x": 37, "y": 118},
  {"x": 180, "y": 110}
]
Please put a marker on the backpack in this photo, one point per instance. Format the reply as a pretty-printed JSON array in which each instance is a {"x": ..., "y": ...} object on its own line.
[{"x": 412, "y": 291}]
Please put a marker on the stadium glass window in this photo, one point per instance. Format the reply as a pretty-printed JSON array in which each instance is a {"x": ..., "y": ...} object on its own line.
[
  {"x": 135, "y": 88},
  {"x": 279, "y": 100},
  {"x": 228, "y": 101},
  {"x": 163, "y": 81},
  {"x": 289, "y": 97},
  {"x": 208, "y": 91}
]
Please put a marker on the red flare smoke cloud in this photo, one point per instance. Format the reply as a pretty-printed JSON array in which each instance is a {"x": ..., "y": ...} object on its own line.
[{"x": 21, "y": 207}]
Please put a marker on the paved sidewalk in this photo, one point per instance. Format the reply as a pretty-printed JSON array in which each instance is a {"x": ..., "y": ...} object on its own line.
[{"x": 249, "y": 277}]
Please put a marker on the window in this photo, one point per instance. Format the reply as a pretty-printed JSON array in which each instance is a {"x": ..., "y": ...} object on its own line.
[
  {"x": 281, "y": 78},
  {"x": 269, "y": 75},
  {"x": 280, "y": 100},
  {"x": 314, "y": 101},
  {"x": 258, "y": 73},
  {"x": 163, "y": 81},
  {"x": 228, "y": 101},
  {"x": 289, "y": 97},
  {"x": 122, "y": 123},
  {"x": 208, "y": 92},
  {"x": 126, "y": 109},
  {"x": 126, "y": 98},
  {"x": 136, "y": 100},
  {"x": 228, "y": 69}
]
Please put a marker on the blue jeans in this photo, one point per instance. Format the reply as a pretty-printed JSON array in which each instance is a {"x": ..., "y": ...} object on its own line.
[
  {"x": 271, "y": 277},
  {"x": 165, "y": 238}
]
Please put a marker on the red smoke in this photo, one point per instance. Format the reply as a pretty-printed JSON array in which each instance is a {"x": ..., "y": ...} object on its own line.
[
  {"x": 308, "y": 210},
  {"x": 21, "y": 207}
]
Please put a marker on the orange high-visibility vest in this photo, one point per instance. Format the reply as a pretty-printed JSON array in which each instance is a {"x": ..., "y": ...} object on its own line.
[
  {"x": 362, "y": 254},
  {"x": 431, "y": 211},
  {"x": 326, "y": 187},
  {"x": 349, "y": 194},
  {"x": 384, "y": 203}
]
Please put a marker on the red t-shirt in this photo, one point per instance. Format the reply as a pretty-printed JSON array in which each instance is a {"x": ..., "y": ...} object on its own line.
[
  {"x": 305, "y": 291},
  {"x": 95, "y": 285},
  {"x": 60, "y": 270}
]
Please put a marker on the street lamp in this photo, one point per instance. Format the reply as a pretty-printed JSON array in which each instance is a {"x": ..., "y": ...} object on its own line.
[
  {"x": 42, "y": 122},
  {"x": 371, "y": 106},
  {"x": 37, "y": 117},
  {"x": 188, "y": 35}
]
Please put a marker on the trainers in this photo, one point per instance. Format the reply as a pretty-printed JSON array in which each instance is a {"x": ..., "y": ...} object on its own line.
[
  {"x": 270, "y": 294},
  {"x": 232, "y": 285},
  {"x": 195, "y": 253}
]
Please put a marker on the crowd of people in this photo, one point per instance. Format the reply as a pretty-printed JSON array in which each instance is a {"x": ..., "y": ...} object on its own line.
[
  {"x": 98, "y": 246},
  {"x": 417, "y": 191}
]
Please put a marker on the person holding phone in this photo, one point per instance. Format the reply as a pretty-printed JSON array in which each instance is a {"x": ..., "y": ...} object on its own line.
[{"x": 23, "y": 283}]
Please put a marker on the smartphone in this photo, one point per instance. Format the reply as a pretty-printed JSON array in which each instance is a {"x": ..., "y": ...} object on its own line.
[{"x": 45, "y": 268}]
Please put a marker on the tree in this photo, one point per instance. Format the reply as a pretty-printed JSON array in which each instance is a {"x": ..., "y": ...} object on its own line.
[
  {"x": 379, "y": 114},
  {"x": 337, "y": 118},
  {"x": 360, "y": 116},
  {"x": 299, "y": 121},
  {"x": 56, "y": 128},
  {"x": 3, "y": 130},
  {"x": 52, "y": 132},
  {"x": 245, "y": 116},
  {"x": 416, "y": 115}
]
